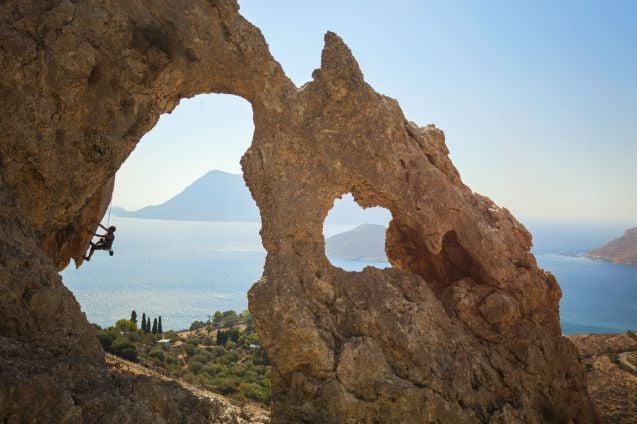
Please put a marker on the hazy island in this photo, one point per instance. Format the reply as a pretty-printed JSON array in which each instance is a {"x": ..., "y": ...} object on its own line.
[
  {"x": 367, "y": 241},
  {"x": 622, "y": 250}
]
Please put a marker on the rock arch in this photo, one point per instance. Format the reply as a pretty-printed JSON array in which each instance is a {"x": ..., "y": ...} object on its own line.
[{"x": 464, "y": 329}]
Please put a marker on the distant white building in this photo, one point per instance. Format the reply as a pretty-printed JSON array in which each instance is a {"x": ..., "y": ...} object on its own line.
[
  {"x": 165, "y": 343},
  {"x": 254, "y": 346}
]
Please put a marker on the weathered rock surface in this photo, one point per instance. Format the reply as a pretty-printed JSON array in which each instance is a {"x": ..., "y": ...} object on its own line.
[
  {"x": 622, "y": 250},
  {"x": 465, "y": 328}
]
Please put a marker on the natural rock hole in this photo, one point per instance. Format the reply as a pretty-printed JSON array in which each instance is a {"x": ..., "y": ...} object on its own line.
[
  {"x": 355, "y": 237},
  {"x": 179, "y": 253}
]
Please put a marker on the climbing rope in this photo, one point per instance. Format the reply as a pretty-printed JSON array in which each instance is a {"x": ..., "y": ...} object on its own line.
[{"x": 108, "y": 220}]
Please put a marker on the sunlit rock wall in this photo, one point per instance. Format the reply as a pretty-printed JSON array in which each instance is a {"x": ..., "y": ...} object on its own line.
[{"x": 464, "y": 328}]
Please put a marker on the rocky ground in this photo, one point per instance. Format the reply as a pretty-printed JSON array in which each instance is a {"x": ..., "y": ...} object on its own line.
[{"x": 612, "y": 387}]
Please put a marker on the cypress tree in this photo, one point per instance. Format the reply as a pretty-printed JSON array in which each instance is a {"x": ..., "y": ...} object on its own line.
[
  {"x": 144, "y": 321},
  {"x": 159, "y": 329},
  {"x": 154, "y": 330},
  {"x": 222, "y": 337},
  {"x": 133, "y": 317}
]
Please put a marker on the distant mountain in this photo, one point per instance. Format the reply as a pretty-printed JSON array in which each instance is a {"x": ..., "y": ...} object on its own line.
[
  {"x": 219, "y": 196},
  {"x": 366, "y": 241},
  {"x": 622, "y": 250},
  {"x": 117, "y": 211}
]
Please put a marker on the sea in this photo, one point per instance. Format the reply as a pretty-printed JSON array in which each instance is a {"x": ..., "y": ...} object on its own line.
[{"x": 185, "y": 271}]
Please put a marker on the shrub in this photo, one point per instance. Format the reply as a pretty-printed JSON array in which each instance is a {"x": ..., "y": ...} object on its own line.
[
  {"x": 198, "y": 358},
  {"x": 106, "y": 337},
  {"x": 197, "y": 325},
  {"x": 195, "y": 366},
  {"x": 123, "y": 347},
  {"x": 190, "y": 349},
  {"x": 218, "y": 351},
  {"x": 226, "y": 385},
  {"x": 212, "y": 369},
  {"x": 148, "y": 339},
  {"x": 260, "y": 357},
  {"x": 228, "y": 358},
  {"x": 134, "y": 336},
  {"x": 254, "y": 392},
  {"x": 188, "y": 377},
  {"x": 176, "y": 369},
  {"x": 237, "y": 370},
  {"x": 172, "y": 335},
  {"x": 157, "y": 352}
]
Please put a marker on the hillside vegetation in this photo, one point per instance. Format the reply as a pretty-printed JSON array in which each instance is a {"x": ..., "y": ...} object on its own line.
[{"x": 223, "y": 356}]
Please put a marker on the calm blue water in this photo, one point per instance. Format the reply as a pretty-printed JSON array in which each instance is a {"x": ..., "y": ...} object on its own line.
[
  {"x": 597, "y": 297},
  {"x": 184, "y": 271}
]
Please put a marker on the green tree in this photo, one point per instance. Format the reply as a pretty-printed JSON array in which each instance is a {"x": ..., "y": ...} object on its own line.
[
  {"x": 222, "y": 337},
  {"x": 197, "y": 325},
  {"x": 133, "y": 317},
  {"x": 217, "y": 317},
  {"x": 154, "y": 330},
  {"x": 230, "y": 319},
  {"x": 125, "y": 325},
  {"x": 159, "y": 329},
  {"x": 247, "y": 318},
  {"x": 233, "y": 334}
]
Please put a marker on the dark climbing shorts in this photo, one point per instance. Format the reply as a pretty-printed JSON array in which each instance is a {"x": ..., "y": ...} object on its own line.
[{"x": 102, "y": 246}]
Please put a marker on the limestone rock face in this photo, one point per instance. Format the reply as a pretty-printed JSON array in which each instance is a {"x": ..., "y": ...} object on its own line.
[{"x": 464, "y": 328}]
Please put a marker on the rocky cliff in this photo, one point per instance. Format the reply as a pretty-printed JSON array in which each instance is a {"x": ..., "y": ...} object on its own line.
[
  {"x": 622, "y": 250},
  {"x": 464, "y": 328}
]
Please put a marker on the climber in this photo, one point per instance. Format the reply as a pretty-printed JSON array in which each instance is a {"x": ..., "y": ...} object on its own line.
[{"x": 105, "y": 242}]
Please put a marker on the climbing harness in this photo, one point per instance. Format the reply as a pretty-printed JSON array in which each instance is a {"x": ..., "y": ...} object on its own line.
[{"x": 106, "y": 242}]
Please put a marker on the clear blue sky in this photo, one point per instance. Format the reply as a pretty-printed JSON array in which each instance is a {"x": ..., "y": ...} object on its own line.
[{"x": 538, "y": 100}]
